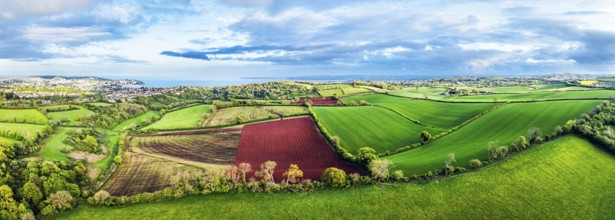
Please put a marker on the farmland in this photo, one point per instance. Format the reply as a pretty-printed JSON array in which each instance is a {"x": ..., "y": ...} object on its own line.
[
  {"x": 70, "y": 117},
  {"x": 54, "y": 146},
  {"x": 435, "y": 114},
  {"x": 370, "y": 126},
  {"x": 560, "y": 176},
  {"x": 185, "y": 118},
  {"x": 7, "y": 140},
  {"x": 141, "y": 173},
  {"x": 502, "y": 125},
  {"x": 31, "y": 116},
  {"x": 230, "y": 116},
  {"x": 20, "y": 131},
  {"x": 290, "y": 141},
  {"x": 139, "y": 120},
  {"x": 212, "y": 148}
]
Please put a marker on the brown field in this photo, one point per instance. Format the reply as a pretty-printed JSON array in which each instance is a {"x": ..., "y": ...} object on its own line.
[{"x": 152, "y": 162}]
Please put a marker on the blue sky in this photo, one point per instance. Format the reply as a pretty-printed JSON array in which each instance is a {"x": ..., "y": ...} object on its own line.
[{"x": 228, "y": 39}]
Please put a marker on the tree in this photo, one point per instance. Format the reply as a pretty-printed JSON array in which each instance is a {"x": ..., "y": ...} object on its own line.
[
  {"x": 380, "y": 169},
  {"x": 398, "y": 175},
  {"x": 101, "y": 196},
  {"x": 521, "y": 143},
  {"x": 90, "y": 141},
  {"x": 366, "y": 155},
  {"x": 293, "y": 173},
  {"x": 245, "y": 168},
  {"x": 363, "y": 102},
  {"x": 8, "y": 206},
  {"x": 352, "y": 103},
  {"x": 32, "y": 193},
  {"x": 448, "y": 164},
  {"x": 266, "y": 172},
  {"x": 533, "y": 135},
  {"x": 117, "y": 159},
  {"x": 334, "y": 177},
  {"x": 495, "y": 99},
  {"x": 239, "y": 120},
  {"x": 61, "y": 200},
  {"x": 426, "y": 136},
  {"x": 232, "y": 172}
]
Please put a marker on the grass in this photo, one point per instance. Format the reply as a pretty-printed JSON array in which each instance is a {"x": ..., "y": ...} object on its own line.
[
  {"x": 100, "y": 104},
  {"x": 31, "y": 116},
  {"x": 6, "y": 140},
  {"x": 369, "y": 126},
  {"x": 139, "y": 120},
  {"x": 228, "y": 116},
  {"x": 503, "y": 125},
  {"x": 54, "y": 146},
  {"x": 564, "y": 179},
  {"x": 183, "y": 118},
  {"x": 21, "y": 130},
  {"x": 530, "y": 96},
  {"x": 355, "y": 90},
  {"x": 436, "y": 114},
  {"x": 331, "y": 92},
  {"x": 421, "y": 92},
  {"x": 70, "y": 117},
  {"x": 111, "y": 140}
]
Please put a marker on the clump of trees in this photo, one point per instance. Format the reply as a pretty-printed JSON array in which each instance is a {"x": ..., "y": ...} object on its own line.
[{"x": 88, "y": 139}]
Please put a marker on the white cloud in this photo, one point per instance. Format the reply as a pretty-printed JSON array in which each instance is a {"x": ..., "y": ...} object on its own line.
[
  {"x": 19, "y": 9},
  {"x": 62, "y": 34}
]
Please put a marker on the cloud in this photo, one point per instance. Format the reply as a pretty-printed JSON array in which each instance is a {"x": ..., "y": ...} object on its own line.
[
  {"x": 188, "y": 54},
  {"x": 22, "y": 9},
  {"x": 61, "y": 34}
]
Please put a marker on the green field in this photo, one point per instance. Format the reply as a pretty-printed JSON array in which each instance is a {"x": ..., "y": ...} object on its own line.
[
  {"x": 565, "y": 179},
  {"x": 70, "y": 117},
  {"x": 420, "y": 93},
  {"x": 54, "y": 146},
  {"x": 436, "y": 114},
  {"x": 503, "y": 125},
  {"x": 370, "y": 126},
  {"x": 184, "y": 118},
  {"x": 355, "y": 90},
  {"x": 8, "y": 140},
  {"x": 331, "y": 92},
  {"x": 228, "y": 116},
  {"x": 530, "y": 96},
  {"x": 139, "y": 120},
  {"x": 31, "y": 116},
  {"x": 100, "y": 104},
  {"x": 21, "y": 130}
]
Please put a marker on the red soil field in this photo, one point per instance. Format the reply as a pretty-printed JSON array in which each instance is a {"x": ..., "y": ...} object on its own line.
[
  {"x": 288, "y": 141},
  {"x": 318, "y": 101}
]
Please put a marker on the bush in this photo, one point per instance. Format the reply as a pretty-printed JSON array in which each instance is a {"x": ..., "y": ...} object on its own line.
[
  {"x": 334, "y": 177},
  {"x": 475, "y": 163}
]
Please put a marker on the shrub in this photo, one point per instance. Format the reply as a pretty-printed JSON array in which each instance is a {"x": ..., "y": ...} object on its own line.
[
  {"x": 475, "y": 163},
  {"x": 334, "y": 177}
]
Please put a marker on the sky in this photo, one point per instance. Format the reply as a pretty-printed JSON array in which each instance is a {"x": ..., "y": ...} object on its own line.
[{"x": 229, "y": 39}]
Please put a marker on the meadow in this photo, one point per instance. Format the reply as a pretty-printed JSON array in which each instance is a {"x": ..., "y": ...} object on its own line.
[
  {"x": 54, "y": 146},
  {"x": 370, "y": 126},
  {"x": 228, "y": 116},
  {"x": 184, "y": 118},
  {"x": 31, "y": 116},
  {"x": 503, "y": 125},
  {"x": 139, "y": 120},
  {"x": 19, "y": 131},
  {"x": 69, "y": 118},
  {"x": 556, "y": 180},
  {"x": 434, "y": 114}
]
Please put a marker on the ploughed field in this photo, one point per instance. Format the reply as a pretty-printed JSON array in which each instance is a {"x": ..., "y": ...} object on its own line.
[
  {"x": 154, "y": 162},
  {"x": 290, "y": 141},
  {"x": 567, "y": 178},
  {"x": 213, "y": 147}
]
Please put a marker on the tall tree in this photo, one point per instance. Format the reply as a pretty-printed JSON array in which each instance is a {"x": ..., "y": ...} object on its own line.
[
  {"x": 380, "y": 169},
  {"x": 293, "y": 173},
  {"x": 245, "y": 168},
  {"x": 266, "y": 172}
]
